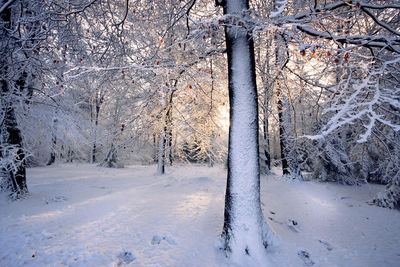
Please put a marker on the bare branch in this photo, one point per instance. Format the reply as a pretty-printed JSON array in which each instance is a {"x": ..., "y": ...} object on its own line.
[
  {"x": 125, "y": 15},
  {"x": 365, "y": 41},
  {"x": 5, "y": 5},
  {"x": 379, "y": 22}
]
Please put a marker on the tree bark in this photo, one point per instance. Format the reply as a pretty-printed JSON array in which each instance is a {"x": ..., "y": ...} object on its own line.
[
  {"x": 52, "y": 157},
  {"x": 11, "y": 145},
  {"x": 245, "y": 232},
  {"x": 98, "y": 102},
  {"x": 168, "y": 128},
  {"x": 282, "y": 135},
  {"x": 289, "y": 160},
  {"x": 266, "y": 148},
  {"x": 161, "y": 153}
]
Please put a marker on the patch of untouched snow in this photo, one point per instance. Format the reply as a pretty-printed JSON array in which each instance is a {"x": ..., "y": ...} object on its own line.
[
  {"x": 109, "y": 217},
  {"x": 336, "y": 225}
]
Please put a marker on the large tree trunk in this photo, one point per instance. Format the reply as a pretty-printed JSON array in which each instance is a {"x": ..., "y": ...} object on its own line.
[
  {"x": 245, "y": 232},
  {"x": 11, "y": 147}
]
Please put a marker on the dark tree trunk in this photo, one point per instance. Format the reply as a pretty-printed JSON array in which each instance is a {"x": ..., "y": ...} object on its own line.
[
  {"x": 290, "y": 165},
  {"x": 266, "y": 149},
  {"x": 245, "y": 232},
  {"x": 155, "y": 148},
  {"x": 168, "y": 129},
  {"x": 99, "y": 101},
  {"x": 11, "y": 141},
  {"x": 267, "y": 153},
  {"x": 110, "y": 161},
  {"x": 289, "y": 159},
  {"x": 94, "y": 149},
  {"x": 11, "y": 145},
  {"x": 70, "y": 155},
  {"x": 282, "y": 143},
  {"x": 52, "y": 157},
  {"x": 161, "y": 153},
  {"x": 164, "y": 151}
]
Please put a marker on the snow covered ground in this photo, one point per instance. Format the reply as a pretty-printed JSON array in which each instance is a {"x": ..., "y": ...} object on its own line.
[{"x": 83, "y": 215}]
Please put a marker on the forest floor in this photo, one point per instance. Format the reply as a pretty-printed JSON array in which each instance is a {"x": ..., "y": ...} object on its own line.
[{"x": 83, "y": 215}]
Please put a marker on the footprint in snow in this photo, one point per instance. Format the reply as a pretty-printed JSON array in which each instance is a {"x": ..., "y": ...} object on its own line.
[
  {"x": 47, "y": 235},
  {"x": 125, "y": 257},
  {"x": 201, "y": 180},
  {"x": 56, "y": 199},
  {"x": 275, "y": 221},
  {"x": 156, "y": 240},
  {"x": 306, "y": 257},
  {"x": 293, "y": 225},
  {"x": 326, "y": 244}
]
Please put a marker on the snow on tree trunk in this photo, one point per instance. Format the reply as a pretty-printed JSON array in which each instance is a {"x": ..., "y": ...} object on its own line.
[
  {"x": 52, "y": 157},
  {"x": 161, "y": 149},
  {"x": 168, "y": 129},
  {"x": 110, "y": 161},
  {"x": 290, "y": 166},
  {"x": 98, "y": 102},
  {"x": 266, "y": 145},
  {"x": 161, "y": 153},
  {"x": 245, "y": 235},
  {"x": 12, "y": 153}
]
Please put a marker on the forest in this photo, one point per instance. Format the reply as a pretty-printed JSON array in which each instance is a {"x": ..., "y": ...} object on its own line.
[{"x": 238, "y": 96}]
